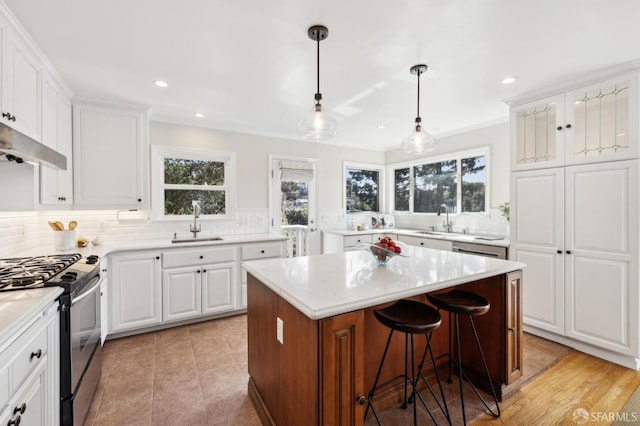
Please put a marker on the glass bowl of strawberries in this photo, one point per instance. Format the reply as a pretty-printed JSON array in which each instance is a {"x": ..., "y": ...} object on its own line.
[{"x": 384, "y": 250}]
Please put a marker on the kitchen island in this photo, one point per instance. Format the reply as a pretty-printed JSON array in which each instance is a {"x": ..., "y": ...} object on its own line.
[{"x": 314, "y": 344}]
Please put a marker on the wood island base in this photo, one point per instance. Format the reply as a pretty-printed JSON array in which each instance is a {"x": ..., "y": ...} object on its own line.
[{"x": 322, "y": 368}]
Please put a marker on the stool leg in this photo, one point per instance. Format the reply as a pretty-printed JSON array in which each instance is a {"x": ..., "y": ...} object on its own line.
[
  {"x": 459, "y": 362},
  {"x": 450, "y": 347},
  {"x": 406, "y": 340},
  {"x": 443, "y": 407},
  {"x": 375, "y": 382},
  {"x": 486, "y": 370},
  {"x": 413, "y": 385}
]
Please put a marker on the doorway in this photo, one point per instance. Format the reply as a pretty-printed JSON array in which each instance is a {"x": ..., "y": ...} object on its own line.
[{"x": 292, "y": 201}]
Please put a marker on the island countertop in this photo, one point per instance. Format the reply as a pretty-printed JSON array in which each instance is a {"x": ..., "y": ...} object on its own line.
[{"x": 322, "y": 286}]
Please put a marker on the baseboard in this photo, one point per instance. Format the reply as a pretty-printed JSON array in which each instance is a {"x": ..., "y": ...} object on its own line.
[
  {"x": 627, "y": 361},
  {"x": 258, "y": 404}
]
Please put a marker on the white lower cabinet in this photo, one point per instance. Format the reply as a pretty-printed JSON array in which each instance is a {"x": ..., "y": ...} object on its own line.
[
  {"x": 431, "y": 243},
  {"x": 135, "y": 297},
  {"x": 29, "y": 374},
  {"x": 150, "y": 288},
  {"x": 576, "y": 229}
]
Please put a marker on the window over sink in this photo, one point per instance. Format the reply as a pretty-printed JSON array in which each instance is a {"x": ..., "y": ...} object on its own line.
[
  {"x": 458, "y": 180},
  {"x": 181, "y": 176}
]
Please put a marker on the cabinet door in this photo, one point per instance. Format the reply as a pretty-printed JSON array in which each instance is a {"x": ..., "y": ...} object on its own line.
[
  {"x": 135, "y": 296},
  {"x": 56, "y": 186},
  {"x": 601, "y": 121},
  {"x": 602, "y": 255},
  {"x": 537, "y": 238},
  {"x": 21, "y": 96},
  {"x": 218, "y": 288},
  {"x": 537, "y": 134},
  {"x": 342, "y": 369},
  {"x": 111, "y": 157},
  {"x": 181, "y": 289},
  {"x": 515, "y": 351},
  {"x": 34, "y": 402}
]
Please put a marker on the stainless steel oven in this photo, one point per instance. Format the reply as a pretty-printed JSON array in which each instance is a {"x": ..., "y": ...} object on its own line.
[{"x": 84, "y": 317}]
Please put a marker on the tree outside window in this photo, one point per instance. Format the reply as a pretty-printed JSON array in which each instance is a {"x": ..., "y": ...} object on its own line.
[
  {"x": 474, "y": 182},
  {"x": 362, "y": 190},
  {"x": 435, "y": 184}
]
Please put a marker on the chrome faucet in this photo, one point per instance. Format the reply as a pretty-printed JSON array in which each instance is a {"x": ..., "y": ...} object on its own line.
[
  {"x": 446, "y": 223},
  {"x": 195, "y": 228}
]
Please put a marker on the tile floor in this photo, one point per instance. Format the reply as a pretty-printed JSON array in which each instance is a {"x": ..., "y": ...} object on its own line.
[{"x": 197, "y": 375}]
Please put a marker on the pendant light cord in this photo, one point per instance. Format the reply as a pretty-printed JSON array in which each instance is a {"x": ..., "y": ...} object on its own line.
[
  {"x": 419, "y": 72},
  {"x": 318, "y": 95}
]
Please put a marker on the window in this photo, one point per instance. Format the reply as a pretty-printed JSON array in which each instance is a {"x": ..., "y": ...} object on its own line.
[
  {"x": 362, "y": 188},
  {"x": 458, "y": 181},
  {"x": 182, "y": 176}
]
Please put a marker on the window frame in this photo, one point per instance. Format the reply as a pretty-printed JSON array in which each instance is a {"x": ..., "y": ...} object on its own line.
[
  {"x": 381, "y": 185},
  {"x": 160, "y": 152},
  {"x": 457, "y": 156}
]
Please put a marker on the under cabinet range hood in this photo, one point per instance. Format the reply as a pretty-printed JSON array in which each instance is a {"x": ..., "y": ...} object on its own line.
[{"x": 19, "y": 147}]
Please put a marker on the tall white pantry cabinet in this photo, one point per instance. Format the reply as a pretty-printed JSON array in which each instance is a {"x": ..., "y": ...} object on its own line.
[{"x": 574, "y": 212}]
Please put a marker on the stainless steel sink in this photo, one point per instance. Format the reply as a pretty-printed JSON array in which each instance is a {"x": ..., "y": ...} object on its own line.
[
  {"x": 195, "y": 240},
  {"x": 435, "y": 233}
]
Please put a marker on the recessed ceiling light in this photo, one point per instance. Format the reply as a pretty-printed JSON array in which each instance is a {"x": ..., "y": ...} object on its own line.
[
  {"x": 381, "y": 126},
  {"x": 509, "y": 80},
  {"x": 160, "y": 83},
  {"x": 198, "y": 114}
]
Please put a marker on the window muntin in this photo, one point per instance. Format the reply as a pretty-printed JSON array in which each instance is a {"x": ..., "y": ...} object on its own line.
[
  {"x": 362, "y": 189},
  {"x": 181, "y": 176}
]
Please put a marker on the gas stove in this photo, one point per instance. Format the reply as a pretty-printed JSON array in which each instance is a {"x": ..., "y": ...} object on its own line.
[{"x": 70, "y": 271}]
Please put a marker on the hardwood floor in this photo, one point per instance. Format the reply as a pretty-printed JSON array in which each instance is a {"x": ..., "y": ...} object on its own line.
[{"x": 197, "y": 375}]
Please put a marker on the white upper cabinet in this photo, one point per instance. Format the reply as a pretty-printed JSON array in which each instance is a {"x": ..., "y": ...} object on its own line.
[
  {"x": 21, "y": 87},
  {"x": 110, "y": 150},
  {"x": 586, "y": 124},
  {"x": 56, "y": 186}
]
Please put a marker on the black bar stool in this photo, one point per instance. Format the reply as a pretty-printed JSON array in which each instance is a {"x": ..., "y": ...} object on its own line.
[
  {"x": 459, "y": 302},
  {"x": 409, "y": 317}
]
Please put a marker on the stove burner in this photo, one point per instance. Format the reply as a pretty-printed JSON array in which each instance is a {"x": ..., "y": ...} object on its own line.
[{"x": 32, "y": 272}]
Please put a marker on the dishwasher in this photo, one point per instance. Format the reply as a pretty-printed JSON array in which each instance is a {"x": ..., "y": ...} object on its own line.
[{"x": 497, "y": 252}]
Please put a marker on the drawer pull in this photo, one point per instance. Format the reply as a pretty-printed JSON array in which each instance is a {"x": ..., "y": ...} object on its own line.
[
  {"x": 201, "y": 257},
  {"x": 262, "y": 251},
  {"x": 36, "y": 354},
  {"x": 20, "y": 409},
  {"x": 15, "y": 421}
]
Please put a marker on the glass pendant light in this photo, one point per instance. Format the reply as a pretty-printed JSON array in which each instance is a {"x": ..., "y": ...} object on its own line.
[
  {"x": 419, "y": 141},
  {"x": 317, "y": 125}
]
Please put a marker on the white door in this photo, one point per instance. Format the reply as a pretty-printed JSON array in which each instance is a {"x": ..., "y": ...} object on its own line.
[
  {"x": 181, "y": 290},
  {"x": 135, "y": 294},
  {"x": 217, "y": 288},
  {"x": 293, "y": 203},
  {"x": 601, "y": 254},
  {"x": 537, "y": 231}
]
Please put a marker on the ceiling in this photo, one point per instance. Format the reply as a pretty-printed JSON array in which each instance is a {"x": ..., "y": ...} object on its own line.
[{"x": 249, "y": 66}]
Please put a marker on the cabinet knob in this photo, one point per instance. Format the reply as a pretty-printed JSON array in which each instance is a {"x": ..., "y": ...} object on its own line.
[
  {"x": 198, "y": 271},
  {"x": 204, "y": 270},
  {"x": 139, "y": 200},
  {"x": 12, "y": 118},
  {"x": 421, "y": 243},
  {"x": 360, "y": 399},
  {"x": 262, "y": 251},
  {"x": 511, "y": 329},
  {"x": 20, "y": 408},
  {"x": 559, "y": 251},
  {"x": 201, "y": 257},
  {"x": 104, "y": 270},
  {"x": 157, "y": 257},
  {"x": 568, "y": 251},
  {"x": 568, "y": 126},
  {"x": 15, "y": 421},
  {"x": 559, "y": 128},
  {"x": 36, "y": 354}
]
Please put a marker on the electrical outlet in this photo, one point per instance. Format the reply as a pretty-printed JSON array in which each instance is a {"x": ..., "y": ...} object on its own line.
[{"x": 280, "y": 330}]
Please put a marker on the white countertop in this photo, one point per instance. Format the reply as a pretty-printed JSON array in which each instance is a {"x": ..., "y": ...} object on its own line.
[
  {"x": 19, "y": 309},
  {"x": 490, "y": 240},
  {"x": 331, "y": 284},
  {"x": 108, "y": 248}
]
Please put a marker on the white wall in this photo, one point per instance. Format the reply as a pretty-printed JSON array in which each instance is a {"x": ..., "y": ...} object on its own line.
[{"x": 252, "y": 159}]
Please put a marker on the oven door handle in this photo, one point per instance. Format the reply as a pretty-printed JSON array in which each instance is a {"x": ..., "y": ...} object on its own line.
[{"x": 87, "y": 293}]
